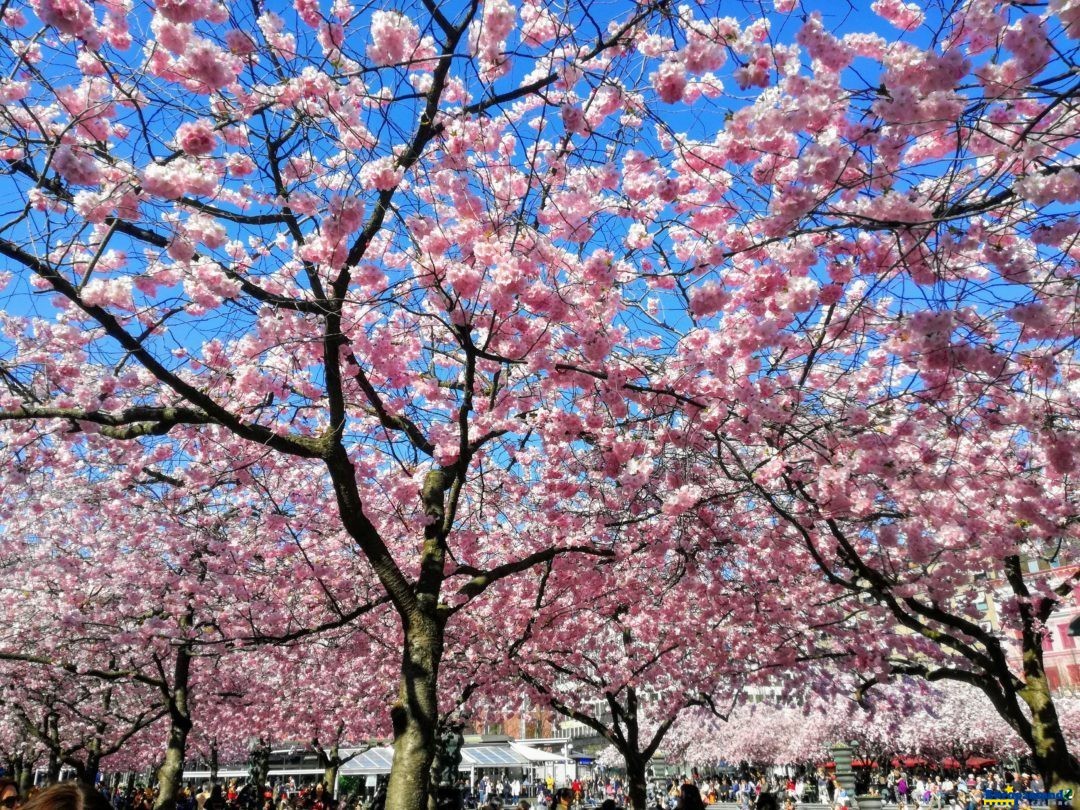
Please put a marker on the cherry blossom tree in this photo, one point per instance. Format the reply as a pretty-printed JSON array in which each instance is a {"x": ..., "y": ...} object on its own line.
[
  {"x": 21, "y": 752},
  {"x": 403, "y": 256},
  {"x": 875, "y": 256},
  {"x": 624, "y": 648},
  {"x": 79, "y": 722},
  {"x": 902, "y": 720},
  {"x": 329, "y": 241},
  {"x": 146, "y": 585}
]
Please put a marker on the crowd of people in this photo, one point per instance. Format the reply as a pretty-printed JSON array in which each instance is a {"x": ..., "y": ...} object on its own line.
[
  {"x": 749, "y": 791},
  {"x": 918, "y": 790},
  {"x": 231, "y": 795}
]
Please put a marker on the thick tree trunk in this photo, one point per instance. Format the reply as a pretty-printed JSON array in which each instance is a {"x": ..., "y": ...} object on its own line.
[
  {"x": 15, "y": 768},
  {"x": 331, "y": 761},
  {"x": 52, "y": 732},
  {"x": 637, "y": 796},
  {"x": 1059, "y": 769},
  {"x": 25, "y": 779},
  {"x": 415, "y": 715},
  {"x": 213, "y": 763},
  {"x": 88, "y": 773},
  {"x": 260, "y": 765},
  {"x": 171, "y": 772},
  {"x": 1049, "y": 751}
]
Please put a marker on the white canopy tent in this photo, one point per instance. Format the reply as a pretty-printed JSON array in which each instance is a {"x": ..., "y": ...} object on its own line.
[{"x": 500, "y": 756}]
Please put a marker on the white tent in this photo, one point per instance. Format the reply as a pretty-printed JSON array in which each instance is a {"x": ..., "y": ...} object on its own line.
[
  {"x": 536, "y": 754},
  {"x": 372, "y": 762},
  {"x": 511, "y": 755}
]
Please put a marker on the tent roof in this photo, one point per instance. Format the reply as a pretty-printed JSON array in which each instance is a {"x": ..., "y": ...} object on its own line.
[
  {"x": 510, "y": 755},
  {"x": 535, "y": 754},
  {"x": 372, "y": 761}
]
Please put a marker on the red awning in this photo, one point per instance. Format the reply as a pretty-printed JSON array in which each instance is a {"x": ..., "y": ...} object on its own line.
[{"x": 855, "y": 763}]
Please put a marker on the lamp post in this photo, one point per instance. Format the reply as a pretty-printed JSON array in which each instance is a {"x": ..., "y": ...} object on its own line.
[
  {"x": 845, "y": 775},
  {"x": 842, "y": 756}
]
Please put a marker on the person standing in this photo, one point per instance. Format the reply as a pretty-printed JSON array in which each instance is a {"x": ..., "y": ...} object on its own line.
[{"x": 902, "y": 792}]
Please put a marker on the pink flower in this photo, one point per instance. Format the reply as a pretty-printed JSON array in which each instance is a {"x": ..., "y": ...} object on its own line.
[
  {"x": 1069, "y": 13},
  {"x": 394, "y": 37},
  {"x": 239, "y": 165},
  {"x": 825, "y": 49},
  {"x": 109, "y": 293},
  {"x": 207, "y": 285},
  {"x": 208, "y": 66},
  {"x": 703, "y": 53},
  {"x": 174, "y": 37},
  {"x": 708, "y": 299},
  {"x": 905, "y": 16},
  {"x": 181, "y": 177},
  {"x": 1061, "y": 455},
  {"x": 670, "y": 81},
  {"x": 308, "y": 11},
  {"x": 183, "y": 11},
  {"x": 346, "y": 216},
  {"x": 197, "y": 137},
  {"x": 181, "y": 249},
  {"x": 538, "y": 24},
  {"x": 11, "y": 91},
  {"x": 382, "y": 174},
  {"x": 76, "y": 166},
  {"x": 573, "y": 119},
  {"x": 72, "y": 17},
  {"x": 1027, "y": 40},
  {"x": 680, "y": 500},
  {"x": 93, "y": 206},
  {"x": 799, "y": 295},
  {"x": 487, "y": 37},
  {"x": 239, "y": 43}
]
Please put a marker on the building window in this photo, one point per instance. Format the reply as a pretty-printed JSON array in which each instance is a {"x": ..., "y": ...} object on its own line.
[
  {"x": 1067, "y": 641},
  {"x": 1053, "y": 678}
]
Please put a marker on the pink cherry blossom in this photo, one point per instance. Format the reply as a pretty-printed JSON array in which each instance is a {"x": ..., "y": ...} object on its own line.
[
  {"x": 382, "y": 174},
  {"x": 670, "y": 81},
  {"x": 183, "y": 11},
  {"x": 394, "y": 38},
  {"x": 197, "y": 137},
  {"x": 76, "y": 166},
  {"x": 644, "y": 354},
  {"x": 71, "y": 17},
  {"x": 905, "y": 16}
]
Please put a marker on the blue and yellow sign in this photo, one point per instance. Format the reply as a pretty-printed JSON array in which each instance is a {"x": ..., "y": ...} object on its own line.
[{"x": 1000, "y": 798}]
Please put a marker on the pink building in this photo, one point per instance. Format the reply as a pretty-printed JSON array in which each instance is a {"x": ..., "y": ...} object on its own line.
[{"x": 1061, "y": 651}]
